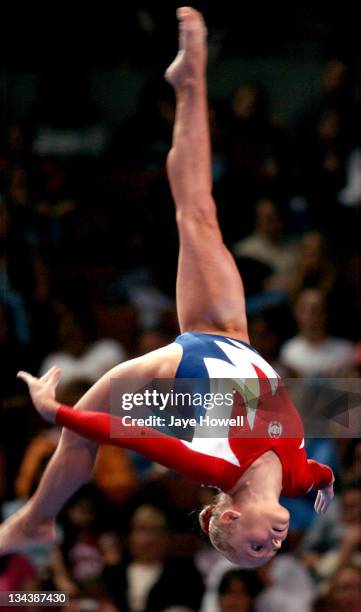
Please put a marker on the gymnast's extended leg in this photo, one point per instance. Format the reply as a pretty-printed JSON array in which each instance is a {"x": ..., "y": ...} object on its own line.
[{"x": 210, "y": 296}]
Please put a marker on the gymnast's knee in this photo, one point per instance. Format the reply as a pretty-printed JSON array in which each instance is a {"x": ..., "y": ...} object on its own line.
[{"x": 198, "y": 214}]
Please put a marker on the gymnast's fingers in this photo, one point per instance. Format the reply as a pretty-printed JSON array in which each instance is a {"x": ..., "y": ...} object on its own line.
[
  {"x": 26, "y": 377},
  {"x": 48, "y": 374},
  {"x": 54, "y": 377},
  {"x": 318, "y": 502}
]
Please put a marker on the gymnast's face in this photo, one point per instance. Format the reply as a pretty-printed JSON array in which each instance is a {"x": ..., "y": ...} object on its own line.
[{"x": 260, "y": 529}]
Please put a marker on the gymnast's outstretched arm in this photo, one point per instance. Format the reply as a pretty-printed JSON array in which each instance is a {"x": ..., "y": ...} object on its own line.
[{"x": 171, "y": 452}]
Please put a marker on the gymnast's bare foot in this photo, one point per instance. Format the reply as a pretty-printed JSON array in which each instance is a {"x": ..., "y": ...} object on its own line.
[
  {"x": 190, "y": 61},
  {"x": 17, "y": 532}
]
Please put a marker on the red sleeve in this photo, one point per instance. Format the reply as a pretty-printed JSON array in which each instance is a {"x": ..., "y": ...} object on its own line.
[
  {"x": 321, "y": 475},
  {"x": 151, "y": 443}
]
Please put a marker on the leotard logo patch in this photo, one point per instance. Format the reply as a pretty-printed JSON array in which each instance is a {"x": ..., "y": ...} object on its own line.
[{"x": 275, "y": 429}]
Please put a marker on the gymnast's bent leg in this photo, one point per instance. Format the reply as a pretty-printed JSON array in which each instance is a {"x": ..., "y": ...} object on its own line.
[
  {"x": 210, "y": 296},
  {"x": 69, "y": 468},
  {"x": 72, "y": 463}
]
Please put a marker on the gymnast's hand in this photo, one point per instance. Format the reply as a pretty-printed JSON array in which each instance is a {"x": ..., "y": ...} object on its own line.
[
  {"x": 323, "y": 499},
  {"x": 42, "y": 392}
]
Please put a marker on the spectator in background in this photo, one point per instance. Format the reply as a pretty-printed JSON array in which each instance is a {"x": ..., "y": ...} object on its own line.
[
  {"x": 15, "y": 416},
  {"x": 23, "y": 274},
  {"x": 151, "y": 580},
  {"x": 282, "y": 585},
  {"x": 313, "y": 267},
  {"x": 265, "y": 339},
  {"x": 256, "y": 145},
  {"x": 350, "y": 200},
  {"x": 268, "y": 246},
  {"x": 321, "y": 163},
  {"x": 326, "y": 133},
  {"x": 288, "y": 586},
  {"x": 15, "y": 139},
  {"x": 238, "y": 590},
  {"x": 352, "y": 461},
  {"x": 66, "y": 123},
  {"x": 78, "y": 356},
  {"x": 335, "y": 540},
  {"x": 154, "y": 338},
  {"x": 18, "y": 192},
  {"x": 350, "y": 195},
  {"x": 143, "y": 141},
  {"x": 11, "y": 334},
  {"x": 86, "y": 520},
  {"x": 312, "y": 352},
  {"x": 336, "y": 90},
  {"x": 344, "y": 594},
  {"x": 22, "y": 221}
]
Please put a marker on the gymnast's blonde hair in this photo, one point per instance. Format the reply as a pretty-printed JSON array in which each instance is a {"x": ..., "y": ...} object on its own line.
[{"x": 221, "y": 533}]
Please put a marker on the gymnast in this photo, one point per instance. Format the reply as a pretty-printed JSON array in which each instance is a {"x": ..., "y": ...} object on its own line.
[{"x": 246, "y": 521}]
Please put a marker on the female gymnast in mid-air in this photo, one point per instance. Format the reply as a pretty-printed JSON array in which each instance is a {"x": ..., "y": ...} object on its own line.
[{"x": 246, "y": 521}]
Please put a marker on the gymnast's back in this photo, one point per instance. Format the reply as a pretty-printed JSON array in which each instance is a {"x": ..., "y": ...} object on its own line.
[
  {"x": 220, "y": 364},
  {"x": 207, "y": 355},
  {"x": 215, "y": 363}
]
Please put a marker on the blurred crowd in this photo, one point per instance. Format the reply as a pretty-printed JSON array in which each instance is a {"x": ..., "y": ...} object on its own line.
[{"x": 88, "y": 265}]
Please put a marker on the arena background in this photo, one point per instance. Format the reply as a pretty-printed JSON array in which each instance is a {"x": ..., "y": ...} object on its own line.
[{"x": 88, "y": 262}]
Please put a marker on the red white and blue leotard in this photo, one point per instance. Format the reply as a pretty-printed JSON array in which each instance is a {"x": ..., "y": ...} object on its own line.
[{"x": 271, "y": 422}]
